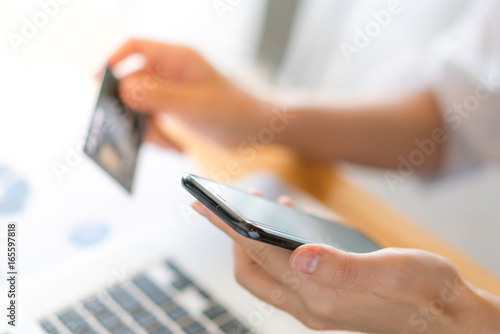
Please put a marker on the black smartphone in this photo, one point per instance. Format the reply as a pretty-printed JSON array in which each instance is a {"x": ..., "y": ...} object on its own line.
[{"x": 265, "y": 220}]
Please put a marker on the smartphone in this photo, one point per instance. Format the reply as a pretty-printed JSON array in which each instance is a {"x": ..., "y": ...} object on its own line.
[{"x": 265, "y": 220}]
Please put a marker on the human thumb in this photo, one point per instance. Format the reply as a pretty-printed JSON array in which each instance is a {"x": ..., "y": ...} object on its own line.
[{"x": 328, "y": 265}]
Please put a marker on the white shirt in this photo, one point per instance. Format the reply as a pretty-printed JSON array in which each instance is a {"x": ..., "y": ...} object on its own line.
[
  {"x": 449, "y": 47},
  {"x": 464, "y": 73}
]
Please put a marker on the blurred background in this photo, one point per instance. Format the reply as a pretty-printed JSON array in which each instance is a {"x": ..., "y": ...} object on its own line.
[{"x": 48, "y": 88}]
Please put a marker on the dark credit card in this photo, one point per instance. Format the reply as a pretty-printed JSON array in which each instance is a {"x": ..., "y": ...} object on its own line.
[{"x": 115, "y": 134}]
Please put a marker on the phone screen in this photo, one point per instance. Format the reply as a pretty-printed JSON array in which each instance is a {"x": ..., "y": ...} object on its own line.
[{"x": 290, "y": 221}]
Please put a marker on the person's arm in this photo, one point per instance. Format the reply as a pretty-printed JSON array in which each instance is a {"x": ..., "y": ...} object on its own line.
[
  {"x": 374, "y": 134},
  {"x": 179, "y": 81},
  {"x": 390, "y": 291}
]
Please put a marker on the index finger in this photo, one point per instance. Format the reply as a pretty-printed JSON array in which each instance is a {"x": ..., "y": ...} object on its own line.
[
  {"x": 271, "y": 258},
  {"x": 245, "y": 242}
]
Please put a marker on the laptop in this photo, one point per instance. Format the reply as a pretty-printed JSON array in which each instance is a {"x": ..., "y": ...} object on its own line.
[{"x": 169, "y": 275}]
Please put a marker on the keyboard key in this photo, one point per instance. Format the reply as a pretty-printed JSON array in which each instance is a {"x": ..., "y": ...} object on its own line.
[
  {"x": 177, "y": 313},
  {"x": 145, "y": 319},
  {"x": 122, "y": 330},
  {"x": 161, "y": 330},
  {"x": 158, "y": 296},
  {"x": 204, "y": 294},
  {"x": 173, "y": 266},
  {"x": 109, "y": 320},
  {"x": 95, "y": 306},
  {"x": 214, "y": 311},
  {"x": 181, "y": 283},
  {"x": 74, "y": 322},
  {"x": 234, "y": 327},
  {"x": 183, "y": 280},
  {"x": 49, "y": 327},
  {"x": 125, "y": 300},
  {"x": 194, "y": 328}
]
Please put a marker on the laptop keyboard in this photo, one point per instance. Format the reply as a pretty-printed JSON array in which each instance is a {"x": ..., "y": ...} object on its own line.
[{"x": 161, "y": 301}]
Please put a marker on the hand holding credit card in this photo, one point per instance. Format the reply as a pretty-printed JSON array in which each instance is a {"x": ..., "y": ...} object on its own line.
[{"x": 115, "y": 133}]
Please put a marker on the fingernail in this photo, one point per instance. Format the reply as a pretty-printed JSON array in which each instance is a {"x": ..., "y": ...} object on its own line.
[
  {"x": 200, "y": 208},
  {"x": 305, "y": 261}
]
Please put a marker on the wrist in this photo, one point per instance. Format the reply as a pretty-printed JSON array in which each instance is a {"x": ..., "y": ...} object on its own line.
[
  {"x": 488, "y": 312},
  {"x": 476, "y": 312},
  {"x": 270, "y": 122}
]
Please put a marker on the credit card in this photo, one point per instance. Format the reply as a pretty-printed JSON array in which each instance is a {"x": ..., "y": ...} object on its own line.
[{"x": 115, "y": 134}]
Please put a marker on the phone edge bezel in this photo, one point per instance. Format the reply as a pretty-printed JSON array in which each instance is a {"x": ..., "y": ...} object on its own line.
[{"x": 241, "y": 224}]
